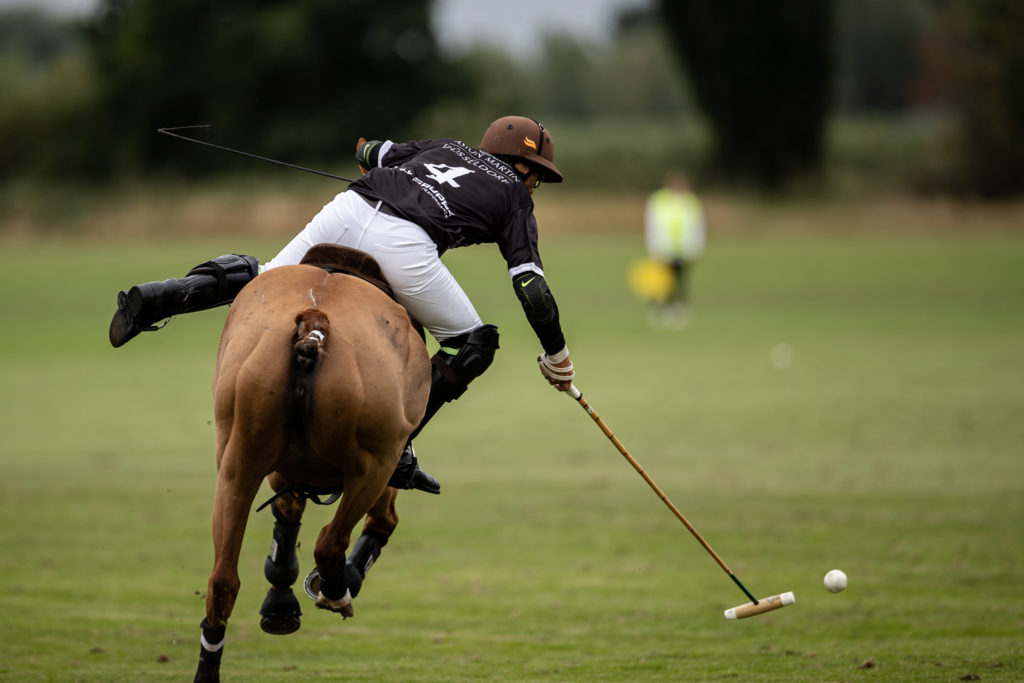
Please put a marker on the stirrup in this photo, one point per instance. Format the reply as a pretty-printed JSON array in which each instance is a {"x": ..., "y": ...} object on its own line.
[{"x": 408, "y": 474}]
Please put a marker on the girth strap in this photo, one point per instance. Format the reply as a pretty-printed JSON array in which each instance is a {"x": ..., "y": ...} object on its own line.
[{"x": 309, "y": 493}]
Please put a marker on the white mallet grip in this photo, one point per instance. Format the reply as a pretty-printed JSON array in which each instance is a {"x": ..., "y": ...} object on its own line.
[{"x": 763, "y": 605}]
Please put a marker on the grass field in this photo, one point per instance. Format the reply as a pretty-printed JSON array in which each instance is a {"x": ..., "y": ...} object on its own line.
[{"x": 889, "y": 447}]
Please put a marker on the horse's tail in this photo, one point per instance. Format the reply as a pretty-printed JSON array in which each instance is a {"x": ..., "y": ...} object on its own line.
[{"x": 311, "y": 332}]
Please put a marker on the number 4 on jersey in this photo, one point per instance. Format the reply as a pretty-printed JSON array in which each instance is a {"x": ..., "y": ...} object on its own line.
[{"x": 443, "y": 173}]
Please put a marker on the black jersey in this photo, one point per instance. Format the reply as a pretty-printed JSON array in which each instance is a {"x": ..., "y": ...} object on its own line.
[{"x": 459, "y": 195}]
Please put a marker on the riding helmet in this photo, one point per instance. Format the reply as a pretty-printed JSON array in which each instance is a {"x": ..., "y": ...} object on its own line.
[{"x": 525, "y": 138}]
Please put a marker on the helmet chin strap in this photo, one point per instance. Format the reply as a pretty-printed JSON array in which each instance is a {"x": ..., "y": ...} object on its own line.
[{"x": 540, "y": 130}]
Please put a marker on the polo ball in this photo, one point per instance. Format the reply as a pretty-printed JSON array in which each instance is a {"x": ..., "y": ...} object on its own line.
[{"x": 835, "y": 580}]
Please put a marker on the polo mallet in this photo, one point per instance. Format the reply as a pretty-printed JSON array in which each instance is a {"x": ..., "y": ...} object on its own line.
[{"x": 749, "y": 609}]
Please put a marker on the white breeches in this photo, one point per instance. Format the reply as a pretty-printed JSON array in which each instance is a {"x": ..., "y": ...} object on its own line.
[{"x": 406, "y": 254}]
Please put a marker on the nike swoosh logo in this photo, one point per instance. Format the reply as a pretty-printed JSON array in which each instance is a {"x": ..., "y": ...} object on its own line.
[{"x": 526, "y": 282}]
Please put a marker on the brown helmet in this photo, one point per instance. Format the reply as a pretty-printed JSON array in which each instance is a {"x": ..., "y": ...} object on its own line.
[{"x": 518, "y": 136}]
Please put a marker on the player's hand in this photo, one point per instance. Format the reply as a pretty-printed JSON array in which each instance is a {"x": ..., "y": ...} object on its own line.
[
  {"x": 557, "y": 369},
  {"x": 360, "y": 143}
]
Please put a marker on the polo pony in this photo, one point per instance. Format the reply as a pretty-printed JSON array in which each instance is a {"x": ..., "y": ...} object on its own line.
[{"x": 320, "y": 379}]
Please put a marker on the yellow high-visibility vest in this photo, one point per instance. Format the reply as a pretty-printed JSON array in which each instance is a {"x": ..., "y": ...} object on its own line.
[{"x": 674, "y": 225}]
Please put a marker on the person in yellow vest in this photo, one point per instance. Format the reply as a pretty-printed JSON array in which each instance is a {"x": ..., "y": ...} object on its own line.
[{"x": 674, "y": 233}]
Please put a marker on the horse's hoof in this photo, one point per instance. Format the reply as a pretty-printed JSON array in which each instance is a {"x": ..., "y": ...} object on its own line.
[
  {"x": 280, "y": 612},
  {"x": 280, "y": 626},
  {"x": 342, "y": 606}
]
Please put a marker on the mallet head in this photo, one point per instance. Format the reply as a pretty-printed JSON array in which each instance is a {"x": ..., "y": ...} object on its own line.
[{"x": 763, "y": 605}]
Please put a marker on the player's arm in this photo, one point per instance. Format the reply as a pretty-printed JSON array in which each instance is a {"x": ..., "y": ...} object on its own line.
[
  {"x": 542, "y": 313},
  {"x": 540, "y": 308}
]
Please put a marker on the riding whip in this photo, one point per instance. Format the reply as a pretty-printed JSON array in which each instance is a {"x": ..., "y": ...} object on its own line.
[{"x": 170, "y": 132}]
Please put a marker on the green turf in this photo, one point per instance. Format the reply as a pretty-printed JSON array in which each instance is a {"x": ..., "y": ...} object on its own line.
[{"x": 889, "y": 447}]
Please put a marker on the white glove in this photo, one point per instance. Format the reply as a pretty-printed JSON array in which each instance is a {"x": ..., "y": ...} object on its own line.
[{"x": 557, "y": 368}]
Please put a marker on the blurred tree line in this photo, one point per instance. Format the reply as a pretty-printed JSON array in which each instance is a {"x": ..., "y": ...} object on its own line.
[
  {"x": 295, "y": 79},
  {"x": 749, "y": 87}
]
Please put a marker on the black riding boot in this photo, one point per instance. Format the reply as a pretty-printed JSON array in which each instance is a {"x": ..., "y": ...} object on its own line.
[
  {"x": 450, "y": 376},
  {"x": 208, "y": 285},
  {"x": 408, "y": 474}
]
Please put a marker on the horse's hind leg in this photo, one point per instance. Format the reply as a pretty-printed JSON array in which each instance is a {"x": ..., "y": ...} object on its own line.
[
  {"x": 360, "y": 495},
  {"x": 381, "y": 521},
  {"x": 280, "y": 613}
]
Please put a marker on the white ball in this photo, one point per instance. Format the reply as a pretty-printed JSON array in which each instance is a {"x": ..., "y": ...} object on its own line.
[{"x": 835, "y": 580}]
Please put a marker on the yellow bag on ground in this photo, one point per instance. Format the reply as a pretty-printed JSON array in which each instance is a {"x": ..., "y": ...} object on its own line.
[{"x": 651, "y": 280}]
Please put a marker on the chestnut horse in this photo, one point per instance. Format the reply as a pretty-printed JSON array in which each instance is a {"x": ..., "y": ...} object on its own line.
[{"x": 320, "y": 379}]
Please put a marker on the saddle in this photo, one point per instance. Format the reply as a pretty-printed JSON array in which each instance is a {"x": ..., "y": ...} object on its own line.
[{"x": 335, "y": 258}]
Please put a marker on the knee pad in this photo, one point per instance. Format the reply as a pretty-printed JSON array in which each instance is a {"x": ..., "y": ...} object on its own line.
[
  {"x": 219, "y": 281},
  {"x": 475, "y": 354}
]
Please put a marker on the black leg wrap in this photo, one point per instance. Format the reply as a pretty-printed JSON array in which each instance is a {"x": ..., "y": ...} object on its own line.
[
  {"x": 210, "y": 652},
  {"x": 334, "y": 586},
  {"x": 282, "y": 565},
  {"x": 364, "y": 553}
]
